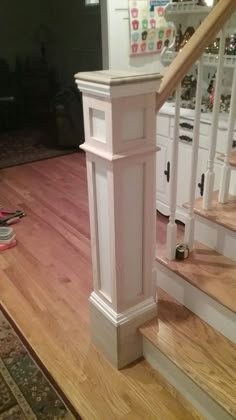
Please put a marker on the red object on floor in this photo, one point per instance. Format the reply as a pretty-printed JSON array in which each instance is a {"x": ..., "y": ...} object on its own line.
[
  {"x": 9, "y": 218},
  {"x": 3, "y": 247}
]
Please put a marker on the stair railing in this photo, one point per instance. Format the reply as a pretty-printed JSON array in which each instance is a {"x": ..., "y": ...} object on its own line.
[
  {"x": 190, "y": 219},
  {"x": 172, "y": 227},
  {"x": 195, "y": 47},
  {"x": 121, "y": 185},
  {"x": 210, "y": 174},
  {"x": 226, "y": 168},
  {"x": 193, "y": 53}
]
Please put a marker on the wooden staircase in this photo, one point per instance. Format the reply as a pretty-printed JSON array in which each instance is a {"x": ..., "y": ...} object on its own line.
[
  {"x": 193, "y": 341},
  {"x": 206, "y": 284},
  {"x": 194, "y": 357},
  {"x": 216, "y": 228}
]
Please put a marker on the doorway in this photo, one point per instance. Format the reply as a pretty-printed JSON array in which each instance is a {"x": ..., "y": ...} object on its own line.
[{"x": 43, "y": 43}]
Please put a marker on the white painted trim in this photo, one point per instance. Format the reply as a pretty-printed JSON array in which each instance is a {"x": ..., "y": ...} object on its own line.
[
  {"x": 120, "y": 91},
  {"x": 181, "y": 214},
  {"x": 92, "y": 150},
  {"x": 189, "y": 389},
  {"x": 164, "y": 209},
  {"x": 97, "y": 90},
  {"x": 116, "y": 319},
  {"x": 226, "y": 169},
  {"x": 171, "y": 236},
  {"x": 121, "y": 175},
  {"x": 202, "y": 305},
  {"x": 215, "y": 236},
  {"x": 190, "y": 220},
  {"x": 210, "y": 173}
]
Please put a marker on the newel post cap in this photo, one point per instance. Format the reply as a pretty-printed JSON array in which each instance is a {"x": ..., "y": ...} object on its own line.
[{"x": 117, "y": 83}]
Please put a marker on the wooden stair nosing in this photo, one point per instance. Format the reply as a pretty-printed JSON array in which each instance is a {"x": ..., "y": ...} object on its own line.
[
  {"x": 221, "y": 214},
  {"x": 209, "y": 271},
  {"x": 203, "y": 354}
]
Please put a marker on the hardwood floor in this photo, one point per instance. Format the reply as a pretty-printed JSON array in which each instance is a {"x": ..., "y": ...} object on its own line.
[
  {"x": 45, "y": 283},
  {"x": 207, "y": 357}
]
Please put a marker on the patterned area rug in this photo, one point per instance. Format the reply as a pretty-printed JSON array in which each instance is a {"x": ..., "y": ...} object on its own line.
[
  {"x": 29, "y": 145},
  {"x": 25, "y": 392}
]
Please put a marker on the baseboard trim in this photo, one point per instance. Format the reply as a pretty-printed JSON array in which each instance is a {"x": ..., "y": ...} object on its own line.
[
  {"x": 117, "y": 335},
  {"x": 117, "y": 319}
]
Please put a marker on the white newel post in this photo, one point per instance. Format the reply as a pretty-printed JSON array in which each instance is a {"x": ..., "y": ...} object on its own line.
[{"x": 120, "y": 119}]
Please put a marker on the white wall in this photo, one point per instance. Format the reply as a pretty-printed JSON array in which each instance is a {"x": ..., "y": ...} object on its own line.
[{"x": 115, "y": 29}]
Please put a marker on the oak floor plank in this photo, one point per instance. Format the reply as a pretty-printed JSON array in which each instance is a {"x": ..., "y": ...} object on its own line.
[{"x": 45, "y": 283}]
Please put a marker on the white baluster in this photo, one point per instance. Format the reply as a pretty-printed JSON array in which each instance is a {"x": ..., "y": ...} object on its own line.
[
  {"x": 189, "y": 225},
  {"x": 226, "y": 169},
  {"x": 172, "y": 227},
  {"x": 210, "y": 174}
]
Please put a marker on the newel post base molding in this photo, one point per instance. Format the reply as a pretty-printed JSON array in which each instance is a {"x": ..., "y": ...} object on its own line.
[
  {"x": 120, "y": 127},
  {"x": 116, "y": 335}
]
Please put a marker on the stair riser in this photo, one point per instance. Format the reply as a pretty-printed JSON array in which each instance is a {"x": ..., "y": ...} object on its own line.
[
  {"x": 202, "y": 305},
  {"x": 177, "y": 378},
  {"x": 216, "y": 237}
]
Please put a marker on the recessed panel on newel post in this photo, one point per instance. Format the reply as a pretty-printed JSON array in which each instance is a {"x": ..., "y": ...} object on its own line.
[{"x": 119, "y": 114}]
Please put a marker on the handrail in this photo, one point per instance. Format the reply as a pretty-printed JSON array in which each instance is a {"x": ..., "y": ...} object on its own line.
[{"x": 192, "y": 51}]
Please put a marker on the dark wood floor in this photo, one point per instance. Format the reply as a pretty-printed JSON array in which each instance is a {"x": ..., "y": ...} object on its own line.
[{"x": 45, "y": 283}]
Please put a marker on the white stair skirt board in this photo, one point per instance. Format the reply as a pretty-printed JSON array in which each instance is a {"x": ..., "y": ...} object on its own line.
[
  {"x": 189, "y": 389},
  {"x": 202, "y": 305},
  {"x": 215, "y": 236}
]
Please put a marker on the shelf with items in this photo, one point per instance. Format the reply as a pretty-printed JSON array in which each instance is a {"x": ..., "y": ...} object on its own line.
[
  {"x": 186, "y": 22},
  {"x": 168, "y": 56},
  {"x": 210, "y": 60},
  {"x": 186, "y": 17},
  {"x": 186, "y": 7}
]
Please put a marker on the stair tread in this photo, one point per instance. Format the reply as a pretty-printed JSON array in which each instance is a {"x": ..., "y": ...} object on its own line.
[
  {"x": 203, "y": 354},
  {"x": 209, "y": 271},
  {"x": 232, "y": 159},
  {"x": 222, "y": 214}
]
